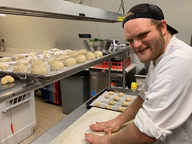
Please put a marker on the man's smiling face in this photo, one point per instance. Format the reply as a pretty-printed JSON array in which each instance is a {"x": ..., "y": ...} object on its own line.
[{"x": 144, "y": 38}]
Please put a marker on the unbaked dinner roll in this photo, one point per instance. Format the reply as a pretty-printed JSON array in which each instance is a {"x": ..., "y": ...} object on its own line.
[
  {"x": 70, "y": 62},
  {"x": 98, "y": 54},
  {"x": 5, "y": 59},
  {"x": 56, "y": 65},
  {"x": 90, "y": 55},
  {"x": 81, "y": 58},
  {"x": 7, "y": 79},
  {"x": 21, "y": 68},
  {"x": 4, "y": 67},
  {"x": 39, "y": 67}
]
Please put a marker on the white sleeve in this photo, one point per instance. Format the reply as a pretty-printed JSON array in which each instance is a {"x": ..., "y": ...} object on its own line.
[{"x": 167, "y": 102}]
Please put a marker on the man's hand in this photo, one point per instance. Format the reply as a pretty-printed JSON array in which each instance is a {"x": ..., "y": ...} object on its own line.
[
  {"x": 107, "y": 126},
  {"x": 95, "y": 139}
]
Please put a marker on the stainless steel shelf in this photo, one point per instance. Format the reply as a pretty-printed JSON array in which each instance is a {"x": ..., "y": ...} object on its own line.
[{"x": 23, "y": 86}]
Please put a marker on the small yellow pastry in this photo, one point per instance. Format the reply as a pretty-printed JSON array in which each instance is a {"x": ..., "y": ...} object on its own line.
[
  {"x": 121, "y": 94},
  {"x": 106, "y": 96},
  {"x": 111, "y": 102},
  {"x": 128, "y": 99},
  {"x": 125, "y": 103},
  {"x": 97, "y": 104},
  {"x": 116, "y": 98},
  {"x": 108, "y": 106},
  {"x": 122, "y": 108},
  {"x": 111, "y": 93},
  {"x": 90, "y": 55},
  {"x": 7, "y": 79}
]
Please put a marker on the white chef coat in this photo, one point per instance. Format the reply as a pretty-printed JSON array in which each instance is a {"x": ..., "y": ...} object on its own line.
[{"x": 166, "y": 111}]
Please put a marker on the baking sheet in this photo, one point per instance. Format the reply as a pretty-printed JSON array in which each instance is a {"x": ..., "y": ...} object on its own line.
[
  {"x": 74, "y": 134},
  {"x": 105, "y": 99}
]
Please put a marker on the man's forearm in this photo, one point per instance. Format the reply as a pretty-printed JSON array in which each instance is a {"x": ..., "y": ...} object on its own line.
[
  {"x": 130, "y": 135},
  {"x": 131, "y": 111}
]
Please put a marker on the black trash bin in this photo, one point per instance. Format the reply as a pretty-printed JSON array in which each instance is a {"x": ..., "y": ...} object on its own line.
[{"x": 74, "y": 91}]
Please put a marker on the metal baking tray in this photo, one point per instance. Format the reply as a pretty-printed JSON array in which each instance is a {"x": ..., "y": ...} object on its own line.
[{"x": 67, "y": 71}]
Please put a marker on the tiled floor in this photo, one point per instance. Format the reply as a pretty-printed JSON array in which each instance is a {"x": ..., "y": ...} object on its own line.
[{"x": 47, "y": 116}]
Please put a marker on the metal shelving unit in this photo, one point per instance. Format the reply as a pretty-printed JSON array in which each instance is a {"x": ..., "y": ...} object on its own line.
[{"x": 36, "y": 83}]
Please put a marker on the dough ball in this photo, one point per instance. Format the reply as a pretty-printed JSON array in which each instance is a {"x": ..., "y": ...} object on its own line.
[
  {"x": 111, "y": 93},
  {"x": 20, "y": 56},
  {"x": 116, "y": 98},
  {"x": 128, "y": 99},
  {"x": 122, "y": 109},
  {"x": 4, "y": 67},
  {"x": 5, "y": 59},
  {"x": 125, "y": 104},
  {"x": 90, "y": 55},
  {"x": 97, "y": 104},
  {"x": 20, "y": 68},
  {"x": 112, "y": 102},
  {"x": 108, "y": 106},
  {"x": 70, "y": 62},
  {"x": 98, "y": 54},
  {"x": 121, "y": 94},
  {"x": 82, "y": 51},
  {"x": 39, "y": 67},
  {"x": 81, "y": 59},
  {"x": 7, "y": 79},
  {"x": 56, "y": 65},
  {"x": 107, "y": 96}
]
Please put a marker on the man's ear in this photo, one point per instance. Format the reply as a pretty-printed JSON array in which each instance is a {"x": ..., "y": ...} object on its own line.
[{"x": 164, "y": 27}]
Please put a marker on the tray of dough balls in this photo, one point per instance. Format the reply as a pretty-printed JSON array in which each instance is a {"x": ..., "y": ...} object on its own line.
[
  {"x": 47, "y": 63},
  {"x": 114, "y": 100}
]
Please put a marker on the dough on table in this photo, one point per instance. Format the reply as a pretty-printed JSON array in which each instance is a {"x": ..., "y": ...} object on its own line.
[
  {"x": 116, "y": 98},
  {"x": 128, "y": 99},
  {"x": 122, "y": 108},
  {"x": 98, "y": 54},
  {"x": 56, "y": 65},
  {"x": 111, "y": 102},
  {"x": 108, "y": 106},
  {"x": 121, "y": 94},
  {"x": 39, "y": 67},
  {"x": 81, "y": 58},
  {"x": 90, "y": 55},
  {"x": 125, "y": 103},
  {"x": 7, "y": 79},
  {"x": 70, "y": 62}
]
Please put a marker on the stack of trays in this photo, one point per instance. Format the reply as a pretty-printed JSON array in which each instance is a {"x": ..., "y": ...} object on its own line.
[{"x": 114, "y": 100}]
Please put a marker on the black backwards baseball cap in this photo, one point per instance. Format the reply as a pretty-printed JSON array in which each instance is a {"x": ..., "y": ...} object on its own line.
[{"x": 146, "y": 10}]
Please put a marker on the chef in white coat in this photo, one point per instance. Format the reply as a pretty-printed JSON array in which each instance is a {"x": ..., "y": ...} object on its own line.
[{"x": 162, "y": 112}]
